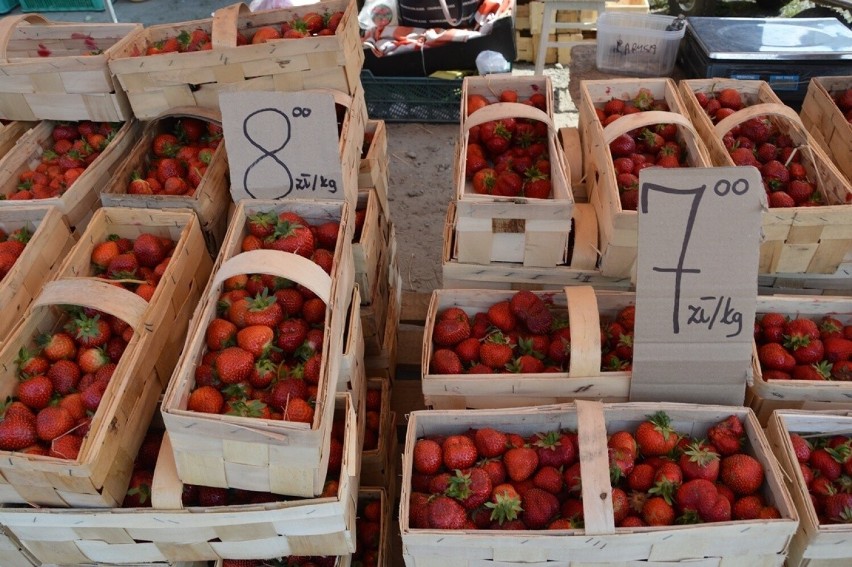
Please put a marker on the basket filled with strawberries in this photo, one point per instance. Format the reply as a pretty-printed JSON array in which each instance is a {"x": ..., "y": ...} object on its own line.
[
  {"x": 33, "y": 241},
  {"x": 827, "y": 114},
  {"x": 186, "y": 63},
  {"x": 179, "y": 161},
  {"x": 490, "y": 349},
  {"x": 59, "y": 70},
  {"x": 813, "y": 449},
  {"x": 625, "y": 135},
  {"x": 250, "y": 403},
  {"x": 802, "y": 355},
  {"x": 64, "y": 164},
  {"x": 807, "y": 225},
  {"x": 379, "y": 456},
  {"x": 593, "y": 483},
  {"x": 85, "y": 345},
  {"x": 513, "y": 196},
  {"x": 212, "y": 522}
]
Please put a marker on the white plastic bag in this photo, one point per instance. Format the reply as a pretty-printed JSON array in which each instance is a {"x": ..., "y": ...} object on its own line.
[
  {"x": 378, "y": 14},
  {"x": 258, "y": 5}
]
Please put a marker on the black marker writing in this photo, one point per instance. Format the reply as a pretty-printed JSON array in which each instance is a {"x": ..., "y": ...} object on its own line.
[{"x": 287, "y": 184}]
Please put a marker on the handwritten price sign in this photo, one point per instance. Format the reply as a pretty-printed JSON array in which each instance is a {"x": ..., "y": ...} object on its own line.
[
  {"x": 282, "y": 145},
  {"x": 696, "y": 283}
]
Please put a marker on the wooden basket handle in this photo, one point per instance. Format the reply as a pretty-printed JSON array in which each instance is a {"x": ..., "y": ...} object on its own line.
[
  {"x": 282, "y": 264},
  {"x": 584, "y": 319},
  {"x": 8, "y": 25},
  {"x": 95, "y": 294},
  {"x": 594, "y": 468},
  {"x": 767, "y": 108},
  {"x": 641, "y": 119},
  {"x": 500, "y": 110},
  {"x": 223, "y": 32}
]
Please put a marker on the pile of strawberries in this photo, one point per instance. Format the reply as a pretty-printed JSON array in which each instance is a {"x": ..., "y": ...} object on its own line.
[
  {"x": 178, "y": 158},
  {"x": 826, "y": 464},
  {"x": 489, "y": 479},
  {"x": 843, "y": 100},
  {"x": 520, "y": 335},
  {"x": 62, "y": 379},
  {"x": 759, "y": 142},
  {"x": 368, "y": 534},
  {"x": 136, "y": 264},
  {"x": 11, "y": 247},
  {"x": 75, "y": 145},
  {"x": 264, "y": 348},
  {"x": 312, "y": 23},
  {"x": 637, "y": 149},
  {"x": 802, "y": 348},
  {"x": 509, "y": 157},
  {"x": 373, "y": 418}
]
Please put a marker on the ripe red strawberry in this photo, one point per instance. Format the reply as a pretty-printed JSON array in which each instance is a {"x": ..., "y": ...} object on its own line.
[
  {"x": 65, "y": 447},
  {"x": 445, "y": 361},
  {"x": 17, "y": 434},
  {"x": 495, "y": 351},
  {"x": 727, "y": 436},
  {"x": 655, "y": 435},
  {"x": 471, "y": 487},
  {"x": 540, "y": 507},
  {"x": 53, "y": 421},
  {"x": 292, "y": 235},
  {"x": 299, "y": 410},
  {"x": 548, "y": 478},
  {"x": 446, "y": 513},
  {"x": 206, "y": 399},
  {"x": 93, "y": 394},
  {"x": 448, "y": 332},
  {"x": 773, "y": 356},
  {"x": 801, "y": 447},
  {"x": 64, "y": 375},
  {"x": 220, "y": 334},
  {"x": 501, "y": 316},
  {"x": 57, "y": 346},
  {"x": 521, "y": 462},
  {"x": 828, "y": 462},
  {"x": 742, "y": 473},
  {"x": 427, "y": 456},
  {"x": 149, "y": 249},
  {"x": 657, "y": 512},
  {"x": 838, "y": 349},
  {"x": 490, "y": 442},
  {"x": 699, "y": 461},
  {"x": 459, "y": 452},
  {"x": 532, "y": 311},
  {"x": 780, "y": 200},
  {"x": 35, "y": 392},
  {"x": 234, "y": 365},
  {"x": 622, "y": 146},
  {"x": 555, "y": 449},
  {"x": 838, "y": 507}
]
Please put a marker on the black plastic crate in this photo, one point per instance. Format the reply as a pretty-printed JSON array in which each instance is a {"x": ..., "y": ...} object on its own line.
[{"x": 412, "y": 99}]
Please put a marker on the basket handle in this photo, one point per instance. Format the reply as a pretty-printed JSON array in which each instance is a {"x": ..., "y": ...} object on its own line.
[
  {"x": 584, "y": 318},
  {"x": 594, "y": 468},
  {"x": 500, "y": 110},
  {"x": 8, "y": 25},
  {"x": 641, "y": 119},
  {"x": 223, "y": 32},
  {"x": 768, "y": 108},
  {"x": 282, "y": 264},
  {"x": 95, "y": 294}
]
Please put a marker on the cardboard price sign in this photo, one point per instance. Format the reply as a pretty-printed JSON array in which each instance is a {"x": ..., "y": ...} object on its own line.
[
  {"x": 696, "y": 283},
  {"x": 282, "y": 145}
]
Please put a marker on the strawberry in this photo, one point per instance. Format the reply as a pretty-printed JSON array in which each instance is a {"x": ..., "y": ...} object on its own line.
[
  {"x": 548, "y": 478},
  {"x": 655, "y": 436},
  {"x": 555, "y": 449},
  {"x": 501, "y": 316},
  {"x": 90, "y": 332},
  {"x": 165, "y": 145},
  {"x": 657, "y": 512},
  {"x": 445, "y": 361},
  {"x": 53, "y": 421},
  {"x": 103, "y": 253},
  {"x": 314, "y": 311},
  {"x": 446, "y": 513},
  {"x": 699, "y": 461},
  {"x": 139, "y": 491},
  {"x": 828, "y": 461},
  {"x": 622, "y": 146},
  {"x": 57, "y": 346},
  {"x": 292, "y": 236},
  {"x": 263, "y": 309},
  {"x": 30, "y": 363},
  {"x": 727, "y": 436},
  {"x": 234, "y": 365},
  {"x": 817, "y": 372},
  {"x": 842, "y": 371},
  {"x": 326, "y": 234},
  {"x": 17, "y": 434},
  {"x": 489, "y": 442},
  {"x": 459, "y": 452},
  {"x": 64, "y": 375},
  {"x": 742, "y": 473},
  {"x": 747, "y": 508},
  {"x": 540, "y": 507},
  {"x": 838, "y": 349},
  {"x": 801, "y": 447},
  {"x": 838, "y": 507},
  {"x": 66, "y": 447},
  {"x": 730, "y": 98},
  {"x": 299, "y": 410},
  {"x": 495, "y": 352},
  {"x": 220, "y": 334},
  {"x": 472, "y": 487},
  {"x": 427, "y": 456},
  {"x": 521, "y": 462},
  {"x": 256, "y": 339},
  {"x": 149, "y": 250},
  {"x": 93, "y": 394},
  {"x": 35, "y": 392},
  {"x": 641, "y": 478},
  {"x": 780, "y": 200},
  {"x": 773, "y": 356},
  {"x": 450, "y": 331}
]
